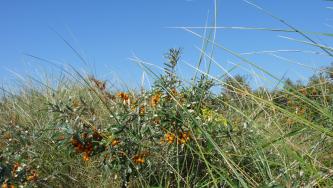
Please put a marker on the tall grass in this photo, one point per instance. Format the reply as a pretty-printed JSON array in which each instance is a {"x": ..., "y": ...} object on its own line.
[{"x": 179, "y": 133}]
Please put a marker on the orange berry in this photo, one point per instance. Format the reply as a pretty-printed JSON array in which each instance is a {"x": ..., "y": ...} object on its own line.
[
  {"x": 169, "y": 138},
  {"x": 32, "y": 177},
  {"x": 115, "y": 142},
  {"x": 184, "y": 137},
  {"x": 86, "y": 157},
  {"x": 155, "y": 99},
  {"x": 123, "y": 96},
  {"x": 138, "y": 159}
]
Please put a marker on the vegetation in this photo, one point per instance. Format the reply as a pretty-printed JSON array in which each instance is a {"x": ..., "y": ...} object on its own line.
[
  {"x": 80, "y": 133},
  {"x": 175, "y": 135}
]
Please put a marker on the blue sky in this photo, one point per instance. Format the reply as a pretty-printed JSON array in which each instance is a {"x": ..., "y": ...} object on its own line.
[{"x": 108, "y": 33}]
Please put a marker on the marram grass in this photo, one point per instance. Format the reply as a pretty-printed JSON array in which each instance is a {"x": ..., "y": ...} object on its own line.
[
  {"x": 178, "y": 133},
  {"x": 173, "y": 135}
]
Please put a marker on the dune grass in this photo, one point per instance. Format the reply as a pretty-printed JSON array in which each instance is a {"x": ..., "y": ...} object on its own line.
[{"x": 178, "y": 133}]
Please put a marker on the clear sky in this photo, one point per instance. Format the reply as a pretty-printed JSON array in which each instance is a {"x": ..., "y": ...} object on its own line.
[{"x": 108, "y": 33}]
